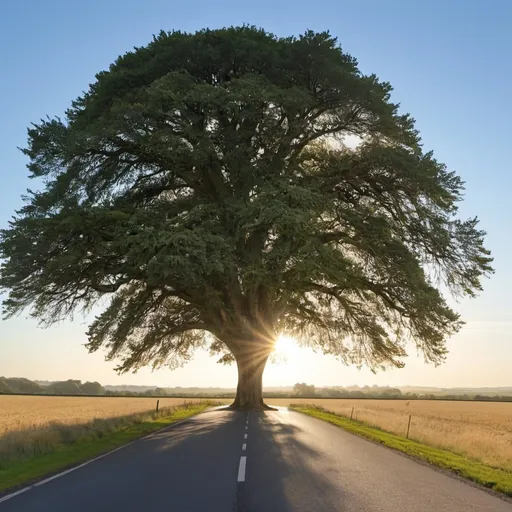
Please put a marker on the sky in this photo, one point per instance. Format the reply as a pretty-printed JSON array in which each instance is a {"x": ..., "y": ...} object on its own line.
[{"x": 449, "y": 63}]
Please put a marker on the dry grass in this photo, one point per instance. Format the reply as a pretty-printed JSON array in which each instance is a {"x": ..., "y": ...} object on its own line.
[
  {"x": 30, "y": 412},
  {"x": 31, "y": 426},
  {"x": 28, "y": 454},
  {"x": 496, "y": 479},
  {"x": 478, "y": 430}
]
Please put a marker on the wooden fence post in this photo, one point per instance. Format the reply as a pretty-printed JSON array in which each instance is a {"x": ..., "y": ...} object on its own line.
[
  {"x": 351, "y": 414},
  {"x": 157, "y": 404},
  {"x": 408, "y": 426}
]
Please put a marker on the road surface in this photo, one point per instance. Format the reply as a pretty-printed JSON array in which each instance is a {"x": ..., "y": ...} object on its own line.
[{"x": 278, "y": 461}]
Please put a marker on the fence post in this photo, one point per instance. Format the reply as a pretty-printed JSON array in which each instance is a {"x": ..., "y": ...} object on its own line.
[
  {"x": 408, "y": 426},
  {"x": 157, "y": 404},
  {"x": 351, "y": 414}
]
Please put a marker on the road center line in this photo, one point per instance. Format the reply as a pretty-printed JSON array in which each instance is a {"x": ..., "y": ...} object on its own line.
[
  {"x": 241, "y": 469},
  {"x": 245, "y": 436},
  {"x": 244, "y": 447}
]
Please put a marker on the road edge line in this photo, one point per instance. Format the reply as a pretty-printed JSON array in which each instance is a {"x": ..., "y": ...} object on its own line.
[
  {"x": 434, "y": 467},
  {"x": 81, "y": 465}
]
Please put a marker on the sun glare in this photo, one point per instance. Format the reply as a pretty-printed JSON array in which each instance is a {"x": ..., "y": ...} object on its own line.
[
  {"x": 286, "y": 346},
  {"x": 287, "y": 362}
]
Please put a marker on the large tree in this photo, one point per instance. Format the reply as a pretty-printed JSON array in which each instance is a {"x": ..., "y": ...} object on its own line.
[{"x": 229, "y": 185}]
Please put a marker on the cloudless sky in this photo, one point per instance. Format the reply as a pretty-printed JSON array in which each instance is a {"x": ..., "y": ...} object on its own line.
[{"x": 450, "y": 64}]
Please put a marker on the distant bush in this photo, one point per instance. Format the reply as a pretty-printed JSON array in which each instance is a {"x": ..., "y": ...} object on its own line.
[
  {"x": 92, "y": 388},
  {"x": 19, "y": 385},
  {"x": 303, "y": 389},
  {"x": 4, "y": 387}
]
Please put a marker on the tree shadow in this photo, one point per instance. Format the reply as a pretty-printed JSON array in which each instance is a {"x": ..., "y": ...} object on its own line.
[
  {"x": 281, "y": 476},
  {"x": 191, "y": 466},
  {"x": 32, "y": 441}
]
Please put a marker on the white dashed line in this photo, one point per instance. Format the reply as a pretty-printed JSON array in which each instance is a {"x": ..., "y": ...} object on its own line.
[
  {"x": 241, "y": 469},
  {"x": 244, "y": 447},
  {"x": 245, "y": 436}
]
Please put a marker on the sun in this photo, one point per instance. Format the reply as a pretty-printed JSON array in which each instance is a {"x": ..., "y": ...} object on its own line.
[
  {"x": 285, "y": 346},
  {"x": 286, "y": 362}
]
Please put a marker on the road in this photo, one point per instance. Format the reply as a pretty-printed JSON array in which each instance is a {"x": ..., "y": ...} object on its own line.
[{"x": 290, "y": 462}]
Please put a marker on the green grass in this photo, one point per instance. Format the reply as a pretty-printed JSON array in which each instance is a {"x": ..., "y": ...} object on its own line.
[
  {"x": 492, "y": 478},
  {"x": 15, "y": 471}
]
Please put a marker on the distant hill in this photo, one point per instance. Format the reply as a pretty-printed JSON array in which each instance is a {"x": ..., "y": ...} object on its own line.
[
  {"x": 193, "y": 390},
  {"x": 507, "y": 390},
  {"x": 135, "y": 389},
  {"x": 19, "y": 385}
]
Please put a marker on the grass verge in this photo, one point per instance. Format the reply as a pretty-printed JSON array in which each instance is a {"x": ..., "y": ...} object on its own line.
[
  {"x": 68, "y": 445},
  {"x": 492, "y": 478}
]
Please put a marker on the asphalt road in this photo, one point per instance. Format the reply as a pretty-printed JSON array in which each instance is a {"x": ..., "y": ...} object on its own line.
[{"x": 290, "y": 462}]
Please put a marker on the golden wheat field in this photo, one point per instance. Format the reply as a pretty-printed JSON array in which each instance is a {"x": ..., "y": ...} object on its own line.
[
  {"x": 29, "y": 412},
  {"x": 479, "y": 430}
]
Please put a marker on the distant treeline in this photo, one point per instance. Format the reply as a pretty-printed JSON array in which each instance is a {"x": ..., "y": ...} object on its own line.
[
  {"x": 19, "y": 385},
  {"x": 304, "y": 390},
  {"x": 22, "y": 386}
]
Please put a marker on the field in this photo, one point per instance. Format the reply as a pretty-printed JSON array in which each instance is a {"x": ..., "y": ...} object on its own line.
[
  {"x": 479, "y": 430},
  {"x": 32, "y": 412},
  {"x": 34, "y": 426},
  {"x": 39, "y": 435}
]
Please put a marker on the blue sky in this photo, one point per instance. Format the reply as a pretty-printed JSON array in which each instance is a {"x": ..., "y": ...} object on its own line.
[{"x": 449, "y": 63}]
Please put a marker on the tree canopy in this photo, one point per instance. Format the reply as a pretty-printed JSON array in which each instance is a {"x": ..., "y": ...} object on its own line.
[{"x": 224, "y": 186}]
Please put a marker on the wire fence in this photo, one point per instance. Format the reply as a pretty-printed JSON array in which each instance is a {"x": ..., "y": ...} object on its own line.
[{"x": 488, "y": 442}]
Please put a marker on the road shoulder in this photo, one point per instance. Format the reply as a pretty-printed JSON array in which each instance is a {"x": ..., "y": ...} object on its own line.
[
  {"x": 496, "y": 481},
  {"x": 19, "y": 475}
]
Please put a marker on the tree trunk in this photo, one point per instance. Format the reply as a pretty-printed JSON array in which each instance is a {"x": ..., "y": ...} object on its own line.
[{"x": 249, "y": 392}]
